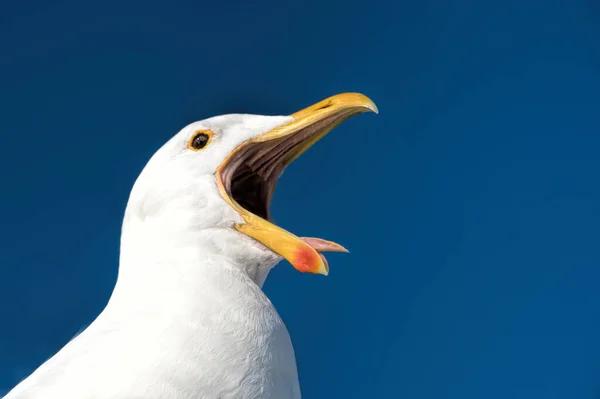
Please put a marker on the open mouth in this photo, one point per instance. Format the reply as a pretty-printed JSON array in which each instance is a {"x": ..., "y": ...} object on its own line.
[
  {"x": 247, "y": 178},
  {"x": 251, "y": 174}
]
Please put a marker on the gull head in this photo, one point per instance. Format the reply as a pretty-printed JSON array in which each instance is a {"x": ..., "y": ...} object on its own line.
[{"x": 217, "y": 177}]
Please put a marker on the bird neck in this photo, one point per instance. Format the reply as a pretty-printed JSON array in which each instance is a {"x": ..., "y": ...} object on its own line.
[{"x": 161, "y": 257}]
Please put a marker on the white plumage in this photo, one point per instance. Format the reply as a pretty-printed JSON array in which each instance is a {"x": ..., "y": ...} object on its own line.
[{"x": 188, "y": 318}]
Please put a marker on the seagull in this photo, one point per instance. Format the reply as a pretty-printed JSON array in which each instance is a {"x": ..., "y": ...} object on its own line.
[{"x": 188, "y": 318}]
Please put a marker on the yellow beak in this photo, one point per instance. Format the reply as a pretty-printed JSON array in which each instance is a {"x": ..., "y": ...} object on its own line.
[{"x": 320, "y": 118}]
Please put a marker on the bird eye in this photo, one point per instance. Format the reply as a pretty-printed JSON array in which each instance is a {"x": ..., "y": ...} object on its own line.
[{"x": 200, "y": 140}]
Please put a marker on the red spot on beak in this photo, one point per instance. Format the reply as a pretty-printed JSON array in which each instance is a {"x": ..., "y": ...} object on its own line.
[{"x": 305, "y": 259}]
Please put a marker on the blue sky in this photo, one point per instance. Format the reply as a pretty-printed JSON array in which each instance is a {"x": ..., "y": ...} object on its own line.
[{"x": 470, "y": 204}]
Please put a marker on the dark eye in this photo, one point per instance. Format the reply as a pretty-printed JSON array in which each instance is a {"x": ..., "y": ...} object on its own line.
[{"x": 200, "y": 140}]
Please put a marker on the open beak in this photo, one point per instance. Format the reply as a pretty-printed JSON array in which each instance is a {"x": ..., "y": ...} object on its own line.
[{"x": 247, "y": 178}]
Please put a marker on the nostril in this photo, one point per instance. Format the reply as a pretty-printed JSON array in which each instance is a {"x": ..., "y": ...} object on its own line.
[{"x": 326, "y": 105}]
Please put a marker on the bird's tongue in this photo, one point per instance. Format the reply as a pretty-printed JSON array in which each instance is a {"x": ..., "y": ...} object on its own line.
[{"x": 321, "y": 245}]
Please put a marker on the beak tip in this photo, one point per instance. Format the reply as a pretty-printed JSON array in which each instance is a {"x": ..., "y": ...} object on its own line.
[
  {"x": 373, "y": 107},
  {"x": 366, "y": 102}
]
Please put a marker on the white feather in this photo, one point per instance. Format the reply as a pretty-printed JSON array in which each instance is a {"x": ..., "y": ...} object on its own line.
[{"x": 187, "y": 318}]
